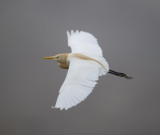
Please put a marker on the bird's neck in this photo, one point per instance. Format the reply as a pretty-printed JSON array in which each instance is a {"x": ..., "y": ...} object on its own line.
[{"x": 63, "y": 63}]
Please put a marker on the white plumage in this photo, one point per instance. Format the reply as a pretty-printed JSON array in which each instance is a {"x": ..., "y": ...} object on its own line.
[
  {"x": 82, "y": 75},
  {"x": 85, "y": 43}
]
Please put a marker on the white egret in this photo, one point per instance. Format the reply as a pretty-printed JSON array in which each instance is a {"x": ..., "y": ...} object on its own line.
[{"x": 85, "y": 63}]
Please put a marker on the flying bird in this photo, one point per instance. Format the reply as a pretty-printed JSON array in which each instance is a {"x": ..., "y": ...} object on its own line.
[{"x": 85, "y": 64}]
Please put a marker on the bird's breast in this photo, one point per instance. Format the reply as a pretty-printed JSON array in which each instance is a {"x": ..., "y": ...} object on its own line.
[{"x": 64, "y": 65}]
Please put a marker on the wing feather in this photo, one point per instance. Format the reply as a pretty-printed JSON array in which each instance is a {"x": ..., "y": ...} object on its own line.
[
  {"x": 85, "y": 43},
  {"x": 82, "y": 75},
  {"x": 81, "y": 78}
]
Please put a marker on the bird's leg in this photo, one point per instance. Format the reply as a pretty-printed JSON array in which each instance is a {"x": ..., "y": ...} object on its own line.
[{"x": 120, "y": 74}]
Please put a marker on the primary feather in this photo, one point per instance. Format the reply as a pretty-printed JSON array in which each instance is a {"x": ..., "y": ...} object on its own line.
[
  {"x": 82, "y": 75},
  {"x": 83, "y": 42},
  {"x": 79, "y": 83}
]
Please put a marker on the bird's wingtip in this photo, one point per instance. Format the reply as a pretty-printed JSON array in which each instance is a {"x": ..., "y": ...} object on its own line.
[
  {"x": 72, "y": 32},
  {"x": 68, "y": 34},
  {"x": 53, "y": 107}
]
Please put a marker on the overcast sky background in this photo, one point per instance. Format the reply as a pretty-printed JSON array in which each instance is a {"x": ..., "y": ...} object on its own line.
[{"x": 129, "y": 34}]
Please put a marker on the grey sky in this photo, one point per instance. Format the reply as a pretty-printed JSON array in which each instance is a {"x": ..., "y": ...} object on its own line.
[{"x": 129, "y": 34}]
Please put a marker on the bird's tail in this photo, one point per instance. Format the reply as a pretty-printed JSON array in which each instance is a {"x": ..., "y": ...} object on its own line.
[{"x": 120, "y": 74}]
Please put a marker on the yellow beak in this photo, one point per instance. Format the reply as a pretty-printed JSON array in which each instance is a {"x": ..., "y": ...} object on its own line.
[{"x": 50, "y": 57}]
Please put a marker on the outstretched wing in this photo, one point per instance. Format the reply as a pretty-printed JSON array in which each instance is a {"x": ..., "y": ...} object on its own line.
[
  {"x": 82, "y": 75},
  {"x": 85, "y": 43},
  {"x": 81, "y": 78}
]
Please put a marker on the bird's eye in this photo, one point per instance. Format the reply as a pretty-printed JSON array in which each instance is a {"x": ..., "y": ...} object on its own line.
[{"x": 57, "y": 57}]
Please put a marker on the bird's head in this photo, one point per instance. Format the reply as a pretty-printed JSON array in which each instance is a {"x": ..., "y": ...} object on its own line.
[{"x": 60, "y": 58}]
